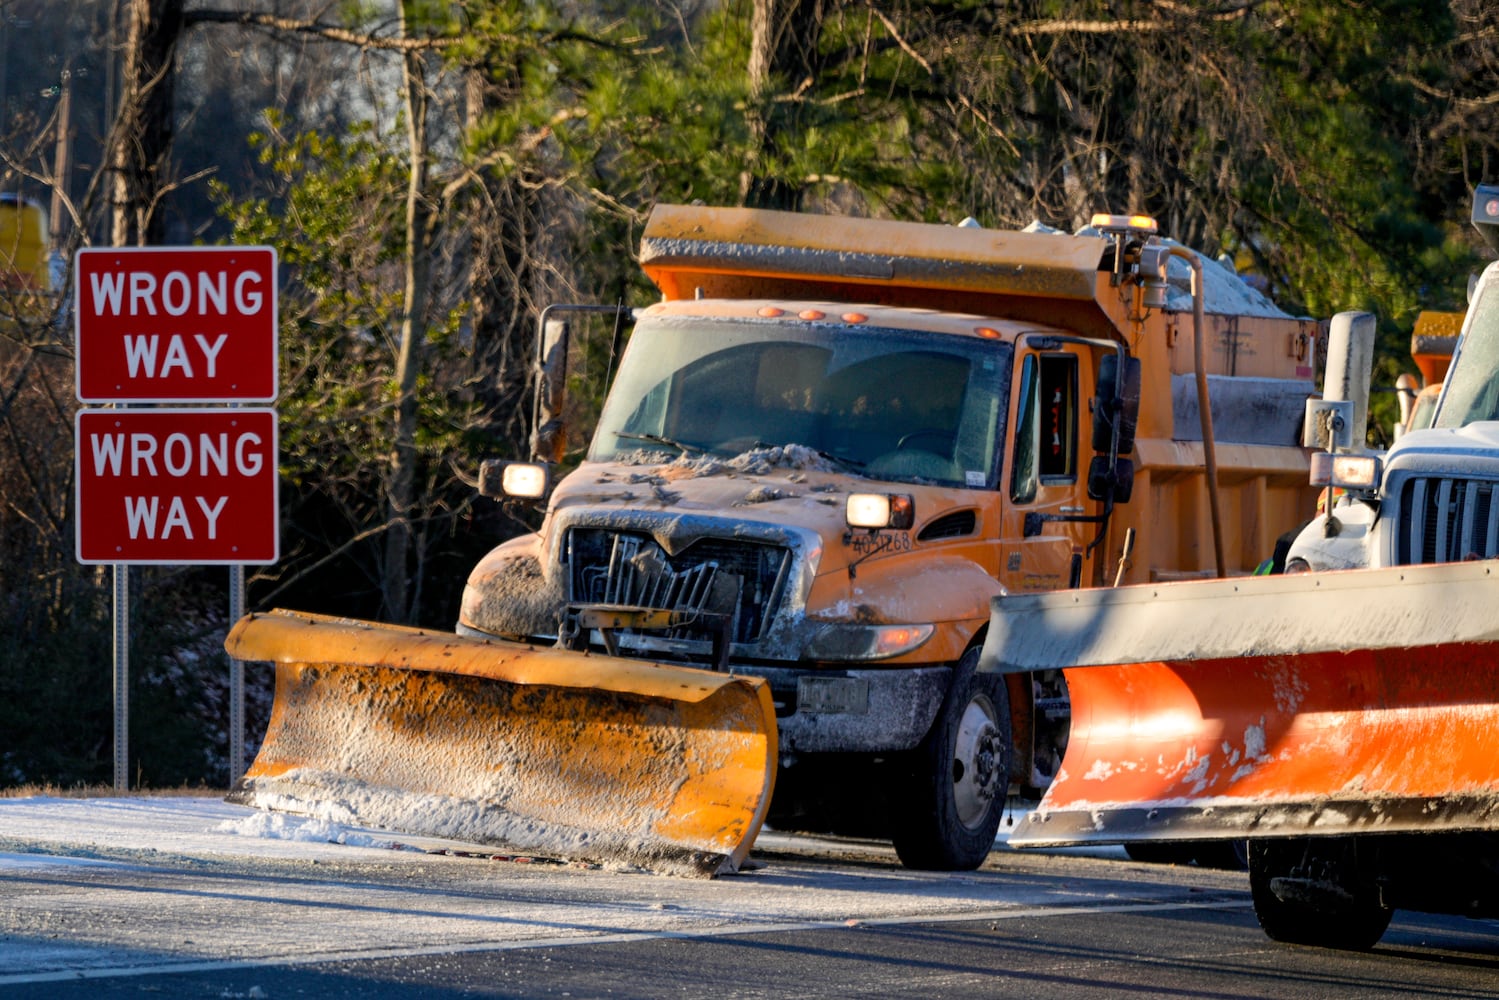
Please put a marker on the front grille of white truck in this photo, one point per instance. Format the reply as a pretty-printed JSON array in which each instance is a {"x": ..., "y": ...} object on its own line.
[
  {"x": 744, "y": 580},
  {"x": 1447, "y": 520}
]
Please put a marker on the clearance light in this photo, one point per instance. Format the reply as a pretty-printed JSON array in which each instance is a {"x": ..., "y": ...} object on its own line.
[
  {"x": 1486, "y": 206},
  {"x": 1142, "y": 224},
  {"x": 866, "y": 642},
  {"x": 852, "y": 317},
  {"x": 812, "y": 314},
  {"x": 1349, "y": 472},
  {"x": 771, "y": 312},
  {"x": 987, "y": 332},
  {"x": 880, "y": 510}
]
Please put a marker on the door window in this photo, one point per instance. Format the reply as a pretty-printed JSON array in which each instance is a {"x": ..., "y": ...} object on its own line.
[{"x": 1045, "y": 426}]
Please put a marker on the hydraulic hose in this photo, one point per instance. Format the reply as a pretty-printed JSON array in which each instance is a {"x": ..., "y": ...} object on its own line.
[{"x": 1204, "y": 404}]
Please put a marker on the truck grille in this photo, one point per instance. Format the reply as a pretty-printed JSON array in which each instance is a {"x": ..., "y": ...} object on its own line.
[
  {"x": 1447, "y": 520},
  {"x": 743, "y": 579}
]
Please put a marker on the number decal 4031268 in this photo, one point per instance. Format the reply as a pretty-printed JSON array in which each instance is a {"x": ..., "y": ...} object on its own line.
[{"x": 881, "y": 541}]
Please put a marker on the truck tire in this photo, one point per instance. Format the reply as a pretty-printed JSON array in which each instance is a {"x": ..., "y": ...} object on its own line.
[
  {"x": 1312, "y": 891},
  {"x": 958, "y": 778}
]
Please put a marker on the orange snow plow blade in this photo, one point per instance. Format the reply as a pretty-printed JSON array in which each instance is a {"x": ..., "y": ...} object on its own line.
[
  {"x": 1352, "y": 702},
  {"x": 536, "y": 750}
]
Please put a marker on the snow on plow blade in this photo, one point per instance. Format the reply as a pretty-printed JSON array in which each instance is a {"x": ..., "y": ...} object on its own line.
[
  {"x": 1332, "y": 703},
  {"x": 534, "y": 749}
]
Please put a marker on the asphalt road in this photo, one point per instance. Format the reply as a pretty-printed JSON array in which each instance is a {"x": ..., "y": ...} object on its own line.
[{"x": 85, "y": 911}]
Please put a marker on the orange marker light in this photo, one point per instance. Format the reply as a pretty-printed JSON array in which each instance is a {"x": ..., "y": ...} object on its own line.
[{"x": 1130, "y": 223}]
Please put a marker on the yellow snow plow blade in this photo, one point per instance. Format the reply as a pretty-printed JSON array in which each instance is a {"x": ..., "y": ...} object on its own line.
[
  {"x": 1363, "y": 701},
  {"x": 537, "y": 750}
]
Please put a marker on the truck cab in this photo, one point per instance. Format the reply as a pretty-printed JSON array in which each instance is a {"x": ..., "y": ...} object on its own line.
[
  {"x": 834, "y": 441},
  {"x": 1429, "y": 499}
]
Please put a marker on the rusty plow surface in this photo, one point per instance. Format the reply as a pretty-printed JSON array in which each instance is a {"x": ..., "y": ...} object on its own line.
[
  {"x": 1359, "y": 702},
  {"x": 536, "y": 750}
]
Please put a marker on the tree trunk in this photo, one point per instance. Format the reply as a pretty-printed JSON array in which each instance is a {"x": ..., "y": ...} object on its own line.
[
  {"x": 141, "y": 141},
  {"x": 401, "y": 495},
  {"x": 502, "y": 260},
  {"x": 783, "y": 44}
]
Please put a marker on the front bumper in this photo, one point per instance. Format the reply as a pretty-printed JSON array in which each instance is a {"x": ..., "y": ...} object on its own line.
[{"x": 853, "y": 710}]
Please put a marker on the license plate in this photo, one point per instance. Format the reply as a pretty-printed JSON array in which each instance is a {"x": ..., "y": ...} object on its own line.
[{"x": 846, "y": 695}]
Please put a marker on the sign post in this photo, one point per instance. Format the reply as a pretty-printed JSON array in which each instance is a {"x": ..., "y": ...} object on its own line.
[{"x": 186, "y": 484}]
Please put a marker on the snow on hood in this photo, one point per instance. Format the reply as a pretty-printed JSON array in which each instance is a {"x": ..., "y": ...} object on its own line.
[
  {"x": 784, "y": 486},
  {"x": 755, "y": 462}
]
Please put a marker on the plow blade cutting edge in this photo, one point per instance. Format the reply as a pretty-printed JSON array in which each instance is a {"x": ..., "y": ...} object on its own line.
[
  {"x": 537, "y": 750},
  {"x": 1363, "y": 701}
]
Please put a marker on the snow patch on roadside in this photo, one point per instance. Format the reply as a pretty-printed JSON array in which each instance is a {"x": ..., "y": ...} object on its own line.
[{"x": 306, "y": 830}]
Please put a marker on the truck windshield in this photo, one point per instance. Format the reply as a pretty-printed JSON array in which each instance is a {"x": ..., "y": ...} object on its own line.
[
  {"x": 1471, "y": 392},
  {"x": 884, "y": 403}
]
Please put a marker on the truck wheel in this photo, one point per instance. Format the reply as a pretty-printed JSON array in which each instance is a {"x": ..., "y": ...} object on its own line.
[
  {"x": 1314, "y": 893},
  {"x": 958, "y": 777}
]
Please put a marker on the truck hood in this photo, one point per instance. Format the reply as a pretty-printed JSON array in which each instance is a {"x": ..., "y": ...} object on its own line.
[
  {"x": 1444, "y": 449},
  {"x": 786, "y": 486},
  {"x": 790, "y": 497}
]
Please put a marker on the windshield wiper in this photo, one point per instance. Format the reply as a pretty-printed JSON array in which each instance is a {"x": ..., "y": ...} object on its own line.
[
  {"x": 684, "y": 448},
  {"x": 853, "y": 465}
]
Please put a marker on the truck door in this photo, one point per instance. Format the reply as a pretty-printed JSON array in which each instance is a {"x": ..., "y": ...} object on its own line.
[{"x": 1042, "y": 475}]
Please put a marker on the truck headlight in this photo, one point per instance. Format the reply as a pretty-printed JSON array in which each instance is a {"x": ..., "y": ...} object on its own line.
[
  {"x": 1349, "y": 472},
  {"x": 514, "y": 480},
  {"x": 866, "y": 642},
  {"x": 880, "y": 510}
]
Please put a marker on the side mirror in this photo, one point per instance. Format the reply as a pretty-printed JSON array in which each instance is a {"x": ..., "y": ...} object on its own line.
[
  {"x": 549, "y": 429},
  {"x": 1117, "y": 483},
  {"x": 1116, "y": 404}
]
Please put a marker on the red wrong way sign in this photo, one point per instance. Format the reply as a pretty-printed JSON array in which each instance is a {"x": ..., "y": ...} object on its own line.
[
  {"x": 176, "y": 324},
  {"x": 181, "y": 486}
]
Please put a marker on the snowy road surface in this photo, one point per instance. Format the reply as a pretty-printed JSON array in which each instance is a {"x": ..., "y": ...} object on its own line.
[{"x": 113, "y": 888}]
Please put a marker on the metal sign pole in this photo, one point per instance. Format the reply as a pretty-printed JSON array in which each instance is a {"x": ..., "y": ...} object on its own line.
[
  {"x": 122, "y": 676},
  {"x": 236, "y": 681},
  {"x": 113, "y": 366}
]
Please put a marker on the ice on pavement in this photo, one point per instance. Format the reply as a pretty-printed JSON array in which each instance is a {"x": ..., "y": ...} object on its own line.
[{"x": 141, "y": 827}]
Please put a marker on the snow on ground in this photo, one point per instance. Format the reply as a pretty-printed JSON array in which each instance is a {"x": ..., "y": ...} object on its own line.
[
  {"x": 188, "y": 825},
  {"x": 76, "y": 830},
  {"x": 127, "y": 886}
]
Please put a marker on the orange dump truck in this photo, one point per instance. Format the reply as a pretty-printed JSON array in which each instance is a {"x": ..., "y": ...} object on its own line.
[
  {"x": 23, "y": 244},
  {"x": 1341, "y": 718},
  {"x": 824, "y": 451},
  {"x": 1432, "y": 343}
]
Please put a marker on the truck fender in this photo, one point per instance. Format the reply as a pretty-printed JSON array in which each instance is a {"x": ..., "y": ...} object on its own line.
[
  {"x": 513, "y": 592},
  {"x": 948, "y": 591},
  {"x": 1338, "y": 539}
]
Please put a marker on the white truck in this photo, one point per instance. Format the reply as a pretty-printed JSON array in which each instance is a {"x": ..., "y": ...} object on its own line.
[
  {"x": 1429, "y": 498},
  {"x": 1340, "y": 722}
]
